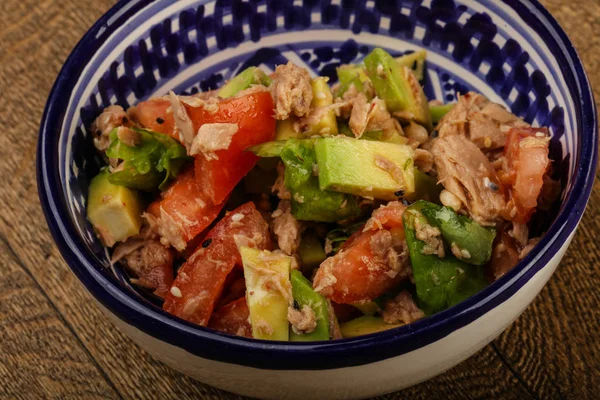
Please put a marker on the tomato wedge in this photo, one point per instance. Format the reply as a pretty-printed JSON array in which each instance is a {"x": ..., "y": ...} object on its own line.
[
  {"x": 253, "y": 113},
  {"x": 526, "y": 151},
  {"x": 183, "y": 211},
  {"x": 201, "y": 279},
  {"x": 369, "y": 263},
  {"x": 232, "y": 318}
]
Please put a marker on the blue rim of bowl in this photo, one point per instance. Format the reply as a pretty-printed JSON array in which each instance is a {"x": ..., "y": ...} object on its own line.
[{"x": 213, "y": 345}]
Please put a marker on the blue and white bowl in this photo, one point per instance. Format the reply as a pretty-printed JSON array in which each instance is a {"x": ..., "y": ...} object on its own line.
[{"x": 513, "y": 52}]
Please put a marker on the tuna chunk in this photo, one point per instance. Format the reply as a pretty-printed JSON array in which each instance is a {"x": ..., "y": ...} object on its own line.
[
  {"x": 467, "y": 173},
  {"x": 286, "y": 228},
  {"x": 291, "y": 90},
  {"x": 402, "y": 309},
  {"x": 112, "y": 117},
  {"x": 483, "y": 122}
]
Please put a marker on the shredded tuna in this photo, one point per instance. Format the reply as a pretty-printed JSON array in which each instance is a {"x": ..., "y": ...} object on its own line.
[
  {"x": 432, "y": 238},
  {"x": 213, "y": 137},
  {"x": 183, "y": 122},
  {"x": 279, "y": 186},
  {"x": 326, "y": 278},
  {"x": 291, "y": 90},
  {"x": 391, "y": 168},
  {"x": 462, "y": 169},
  {"x": 402, "y": 310},
  {"x": 286, "y": 228},
  {"x": 170, "y": 231},
  {"x": 381, "y": 120},
  {"x": 111, "y": 118},
  {"x": 303, "y": 321},
  {"x": 359, "y": 117},
  {"x": 149, "y": 261},
  {"x": 520, "y": 232},
  {"x": 423, "y": 160},
  {"x": 478, "y": 119}
]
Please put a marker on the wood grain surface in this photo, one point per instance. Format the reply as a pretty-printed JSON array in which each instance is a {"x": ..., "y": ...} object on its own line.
[{"x": 55, "y": 343}]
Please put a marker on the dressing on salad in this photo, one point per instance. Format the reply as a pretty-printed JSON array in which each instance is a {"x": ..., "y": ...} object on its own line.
[{"x": 282, "y": 208}]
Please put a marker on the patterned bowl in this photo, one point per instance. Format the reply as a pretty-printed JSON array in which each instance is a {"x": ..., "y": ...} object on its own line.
[{"x": 513, "y": 52}]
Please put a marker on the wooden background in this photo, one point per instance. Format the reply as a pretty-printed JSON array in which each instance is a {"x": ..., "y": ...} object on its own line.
[{"x": 55, "y": 343}]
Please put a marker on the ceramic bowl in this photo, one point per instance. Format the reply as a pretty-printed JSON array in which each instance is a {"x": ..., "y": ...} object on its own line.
[{"x": 512, "y": 51}]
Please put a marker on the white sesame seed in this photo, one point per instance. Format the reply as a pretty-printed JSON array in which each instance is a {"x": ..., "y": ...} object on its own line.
[
  {"x": 486, "y": 181},
  {"x": 277, "y": 213},
  {"x": 321, "y": 95},
  {"x": 379, "y": 69},
  {"x": 487, "y": 142},
  {"x": 175, "y": 291},
  {"x": 465, "y": 253},
  {"x": 540, "y": 134},
  {"x": 237, "y": 217}
]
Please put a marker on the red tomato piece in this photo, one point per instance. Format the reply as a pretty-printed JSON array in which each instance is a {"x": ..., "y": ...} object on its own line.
[
  {"x": 183, "y": 211},
  {"x": 369, "y": 263},
  {"x": 232, "y": 318},
  {"x": 201, "y": 279},
  {"x": 526, "y": 151},
  {"x": 253, "y": 114}
]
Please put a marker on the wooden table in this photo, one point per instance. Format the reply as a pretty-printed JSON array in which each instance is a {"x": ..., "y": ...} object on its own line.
[{"x": 55, "y": 342}]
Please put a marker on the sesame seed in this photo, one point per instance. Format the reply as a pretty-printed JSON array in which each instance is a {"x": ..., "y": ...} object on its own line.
[
  {"x": 176, "y": 292},
  {"x": 160, "y": 121},
  {"x": 540, "y": 134},
  {"x": 277, "y": 213},
  {"x": 399, "y": 193},
  {"x": 405, "y": 202},
  {"x": 487, "y": 142},
  {"x": 321, "y": 95},
  {"x": 434, "y": 134},
  {"x": 379, "y": 69},
  {"x": 493, "y": 187},
  {"x": 206, "y": 243},
  {"x": 237, "y": 217},
  {"x": 486, "y": 181}
]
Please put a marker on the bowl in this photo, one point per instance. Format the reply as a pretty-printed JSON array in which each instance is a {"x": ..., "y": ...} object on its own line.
[{"x": 513, "y": 52}]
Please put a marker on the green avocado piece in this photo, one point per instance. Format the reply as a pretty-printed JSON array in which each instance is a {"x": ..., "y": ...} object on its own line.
[
  {"x": 309, "y": 201},
  {"x": 398, "y": 87},
  {"x": 285, "y": 129},
  {"x": 440, "y": 282},
  {"x": 311, "y": 252},
  {"x": 114, "y": 211},
  {"x": 415, "y": 61},
  {"x": 475, "y": 240},
  {"x": 304, "y": 295},
  {"x": 265, "y": 292},
  {"x": 350, "y": 74},
  {"x": 268, "y": 149},
  {"x": 426, "y": 188},
  {"x": 322, "y": 97},
  {"x": 351, "y": 166},
  {"x": 365, "y": 325},
  {"x": 248, "y": 77}
]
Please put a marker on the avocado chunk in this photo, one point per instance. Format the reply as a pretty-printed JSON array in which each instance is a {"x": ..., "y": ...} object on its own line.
[
  {"x": 114, "y": 211},
  {"x": 309, "y": 201},
  {"x": 268, "y": 292},
  {"x": 268, "y": 149},
  {"x": 325, "y": 122},
  {"x": 472, "y": 240},
  {"x": 426, "y": 188},
  {"x": 398, "y": 87},
  {"x": 285, "y": 129},
  {"x": 365, "y": 168},
  {"x": 440, "y": 282},
  {"x": 311, "y": 252},
  {"x": 365, "y": 325},
  {"x": 415, "y": 61},
  {"x": 349, "y": 75},
  {"x": 248, "y": 77},
  {"x": 304, "y": 295}
]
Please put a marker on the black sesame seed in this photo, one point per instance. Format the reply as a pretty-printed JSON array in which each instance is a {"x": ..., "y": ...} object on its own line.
[
  {"x": 405, "y": 202},
  {"x": 159, "y": 120},
  {"x": 399, "y": 193},
  {"x": 493, "y": 187},
  {"x": 434, "y": 134},
  {"x": 124, "y": 120},
  {"x": 98, "y": 132},
  {"x": 206, "y": 243}
]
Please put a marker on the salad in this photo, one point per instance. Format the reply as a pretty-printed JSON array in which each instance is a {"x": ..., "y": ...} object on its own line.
[{"x": 281, "y": 207}]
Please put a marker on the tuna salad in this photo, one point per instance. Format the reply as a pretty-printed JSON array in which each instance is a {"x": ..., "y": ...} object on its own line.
[{"x": 280, "y": 207}]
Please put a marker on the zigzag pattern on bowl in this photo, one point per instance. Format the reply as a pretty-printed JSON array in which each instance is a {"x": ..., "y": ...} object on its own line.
[{"x": 194, "y": 45}]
